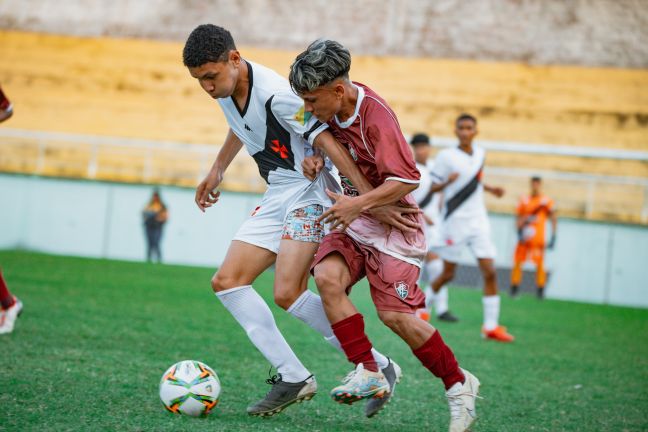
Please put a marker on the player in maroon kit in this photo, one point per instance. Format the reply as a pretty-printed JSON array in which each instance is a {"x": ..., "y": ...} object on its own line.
[
  {"x": 6, "y": 109},
  {"x": 10, "y": 306},
  {"x": 362, "y": 246}
]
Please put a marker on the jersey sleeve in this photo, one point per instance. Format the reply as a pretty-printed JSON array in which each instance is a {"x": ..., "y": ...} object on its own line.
[
  {"x": 393, "y": 156},
  {"x": 441, "y": 169},
  {"x": 288, "y": 108}
]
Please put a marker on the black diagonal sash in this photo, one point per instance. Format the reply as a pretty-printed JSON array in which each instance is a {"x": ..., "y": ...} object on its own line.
[{"x": 461, "y": 196}]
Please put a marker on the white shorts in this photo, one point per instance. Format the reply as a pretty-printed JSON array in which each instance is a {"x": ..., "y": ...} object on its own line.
[
  {"x": 455, "y": 235},
  {"x": 287, "y": 212}
]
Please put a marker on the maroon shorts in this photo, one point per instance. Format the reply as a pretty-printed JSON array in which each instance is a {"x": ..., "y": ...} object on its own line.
[{"x": 393, "y": 282}]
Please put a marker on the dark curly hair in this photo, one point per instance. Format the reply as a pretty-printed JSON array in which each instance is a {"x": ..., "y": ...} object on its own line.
[
  {"x": 466, "y": 116},
  {"x": 207, "y": 43}
]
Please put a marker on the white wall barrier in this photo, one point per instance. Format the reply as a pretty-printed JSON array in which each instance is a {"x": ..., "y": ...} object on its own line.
[{"x": 593, "y": 262}]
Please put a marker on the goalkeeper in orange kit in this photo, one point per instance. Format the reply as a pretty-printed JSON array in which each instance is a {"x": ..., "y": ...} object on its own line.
[{"x": 532, "y": 213}]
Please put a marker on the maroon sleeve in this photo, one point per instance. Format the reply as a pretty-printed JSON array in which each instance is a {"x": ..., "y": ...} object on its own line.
[{"x": 394, "y": 158}]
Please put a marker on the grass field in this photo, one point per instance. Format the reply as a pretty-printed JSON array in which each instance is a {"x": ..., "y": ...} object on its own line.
[{"x": 96, "y": 335}]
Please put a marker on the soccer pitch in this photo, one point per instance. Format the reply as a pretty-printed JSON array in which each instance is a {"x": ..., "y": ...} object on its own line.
[{"x": 96, "y": 335}]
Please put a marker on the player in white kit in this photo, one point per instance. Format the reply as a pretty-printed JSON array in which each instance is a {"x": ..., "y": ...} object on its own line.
[
  {"x": 464, "y": 219},
  {"x": 430, "y": 202},
  {"x": 267, "y": 118}
]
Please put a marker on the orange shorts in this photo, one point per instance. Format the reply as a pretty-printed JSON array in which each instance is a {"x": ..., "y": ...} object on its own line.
[
  {"x": 529, "y": 251},
  {"x": 393, "y": 282}
]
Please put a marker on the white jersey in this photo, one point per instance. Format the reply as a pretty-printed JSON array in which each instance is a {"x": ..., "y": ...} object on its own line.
[
  {"x": 277, "y": 133},
  {"x": 432, "y": 205},
  {"x": 464, "y": 197}
]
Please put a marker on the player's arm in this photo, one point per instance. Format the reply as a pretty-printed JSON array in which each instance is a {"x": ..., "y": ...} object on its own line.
[
  {"x": 554, "y": 227},
  {"x": 206, "y": 195},
  {"x": 394, "y": 163},
  {"x": 495, "y": 190},
  {"x": 388, "y": 214},
  {"x": 438, "y": 186}
]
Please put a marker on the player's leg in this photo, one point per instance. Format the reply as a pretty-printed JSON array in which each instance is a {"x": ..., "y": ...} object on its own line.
[
  {"x": 541, "y": 274},
  {"x": 157, "y": 236},
  {"x": 10, "y": 307},
  {"x": 432, "y": 269},
  {"x": 439, "y": 286},
  {"x": 516, "y": 272},
  {"x": 232, "y": 284},
  {"x": 491, "y": 303},
  {"x": 396, "y": 296},
  {"x": 338, "y": 264},
  {"x": 301, "y": 236},
  {"x": 483, "y": 249}
]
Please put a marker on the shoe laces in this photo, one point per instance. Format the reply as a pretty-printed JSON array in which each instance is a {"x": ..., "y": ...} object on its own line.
[
  {"x": 274, "y": 379},
  {"x": 456, "y": 403}
]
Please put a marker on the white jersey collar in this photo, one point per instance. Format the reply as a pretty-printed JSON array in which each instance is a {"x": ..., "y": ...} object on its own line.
[{"x": 350, "y": 120}]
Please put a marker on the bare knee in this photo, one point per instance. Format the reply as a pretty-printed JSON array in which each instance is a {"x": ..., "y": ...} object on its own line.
[
  {"x": 396, "y": 321},
  {"x": 285, "y": 298},
  {"x": 489, "y": 274},
  {"x": 223, "y": 281},
  {"x": 328, "y": 284}
]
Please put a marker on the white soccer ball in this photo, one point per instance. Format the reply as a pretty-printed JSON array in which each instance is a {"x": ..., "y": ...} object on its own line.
[{"x": 190, "y": 387}]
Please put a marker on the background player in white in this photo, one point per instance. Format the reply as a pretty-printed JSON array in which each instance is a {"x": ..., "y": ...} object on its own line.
[
  {"x": 465, "y": 219},
  {"x": 430, "y": 202},
  {"x": 269, "y": 119}
]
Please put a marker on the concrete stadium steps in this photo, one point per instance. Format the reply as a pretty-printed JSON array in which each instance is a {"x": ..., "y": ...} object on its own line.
[{"x": 140, "y": 89}]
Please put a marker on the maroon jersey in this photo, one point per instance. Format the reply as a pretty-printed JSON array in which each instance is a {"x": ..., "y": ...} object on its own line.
[{"x": 374, "y": 138}]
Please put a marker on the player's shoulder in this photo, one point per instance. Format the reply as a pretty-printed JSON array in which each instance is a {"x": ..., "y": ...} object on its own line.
[
  {"x": 373, "y": 103},
  {"x": 267, "y": 83}
]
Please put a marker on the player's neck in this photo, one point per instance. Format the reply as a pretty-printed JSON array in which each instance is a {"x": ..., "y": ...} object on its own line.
[
  {"x": 466, "y": 148},
  {"x": 241, "y": 90},
  {"x": 348, "y": 103}
]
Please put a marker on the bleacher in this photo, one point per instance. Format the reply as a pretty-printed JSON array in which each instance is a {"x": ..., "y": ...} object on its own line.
[{"x": 127, "y": 110}]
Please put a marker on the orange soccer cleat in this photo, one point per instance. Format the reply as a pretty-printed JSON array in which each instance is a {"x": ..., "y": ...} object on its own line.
[
  {"x": 423, "y": 314},
  {"x": 499, "y": 334}
]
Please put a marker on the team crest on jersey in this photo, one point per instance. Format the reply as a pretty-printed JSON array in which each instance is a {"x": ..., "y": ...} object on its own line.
[
  {"x": 402, "y": 289},
  {"x": 302, "y": 116}
]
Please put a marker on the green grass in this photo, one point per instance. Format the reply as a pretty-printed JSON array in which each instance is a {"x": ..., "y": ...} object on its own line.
[{"x": 96, "y": 335}]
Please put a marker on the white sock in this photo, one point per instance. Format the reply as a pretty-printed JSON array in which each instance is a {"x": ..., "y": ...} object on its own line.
[
  {"x": 253, "y": 314},
  {"x": 434, "y": 268},
  {"x": 429, "y": 297},
  {"x": 309, "y": 309},
  {"x": 491, "y": 311},
  {"x": 441, "y": 301}
]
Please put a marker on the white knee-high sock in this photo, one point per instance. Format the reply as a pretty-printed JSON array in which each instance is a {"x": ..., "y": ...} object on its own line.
[
  {"x": 441, "y": 301},
  {"x": 491, "y": 311},
  {"x": 254, "y": 315},
  {"x": 309, "y": 309}
]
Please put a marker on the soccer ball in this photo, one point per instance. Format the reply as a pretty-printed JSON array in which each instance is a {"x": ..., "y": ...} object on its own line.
[{"x": 190, "y": 387}]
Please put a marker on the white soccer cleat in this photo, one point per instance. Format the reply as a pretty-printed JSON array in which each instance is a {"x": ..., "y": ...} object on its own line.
[
  {"x": 9, "y": 316},
  {"x": 461, "y": 400},
  {"x": 361, "y": 384}
]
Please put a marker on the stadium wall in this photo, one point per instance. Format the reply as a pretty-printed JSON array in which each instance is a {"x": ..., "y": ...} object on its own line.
[{"x": 593, "y": 262}]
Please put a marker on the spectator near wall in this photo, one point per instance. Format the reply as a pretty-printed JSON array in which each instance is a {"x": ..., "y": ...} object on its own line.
[{"x": 155, "y": 215}]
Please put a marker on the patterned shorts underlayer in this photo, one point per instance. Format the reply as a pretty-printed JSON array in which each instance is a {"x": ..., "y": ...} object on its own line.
[{"x": 301, "y": 224}]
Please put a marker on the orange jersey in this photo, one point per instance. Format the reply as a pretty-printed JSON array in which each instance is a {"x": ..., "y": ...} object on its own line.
[{"x": 534, "y": 211}]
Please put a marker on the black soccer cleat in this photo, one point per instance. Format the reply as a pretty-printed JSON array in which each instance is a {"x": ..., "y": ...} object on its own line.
[
  {"x": 282, "y": 395},
  {"x": 447, "y": 316}
]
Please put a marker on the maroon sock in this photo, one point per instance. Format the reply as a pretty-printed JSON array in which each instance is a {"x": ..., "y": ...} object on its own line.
[
  {"x": 6, "y": 299},
  {"x": 439, "y": 359},
  {"x": 355, "y": 343}
]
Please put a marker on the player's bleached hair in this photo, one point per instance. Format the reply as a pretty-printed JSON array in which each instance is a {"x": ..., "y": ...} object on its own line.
[
  {"x": 323, "y": 62},
  {"x": 207, "y": 43}
]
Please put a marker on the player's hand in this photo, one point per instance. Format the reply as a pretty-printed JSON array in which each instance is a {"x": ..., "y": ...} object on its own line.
[
  {"x": 428, "y": 219},
  {"x": 312, "y": 165},
  {"x": 452, "y": 177},
  {"x": 206, "y": 193},
  {"x": 394, "y": 215},
  {"x": 344, "y": 211},
  {"x": 497, "y": 191}
]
